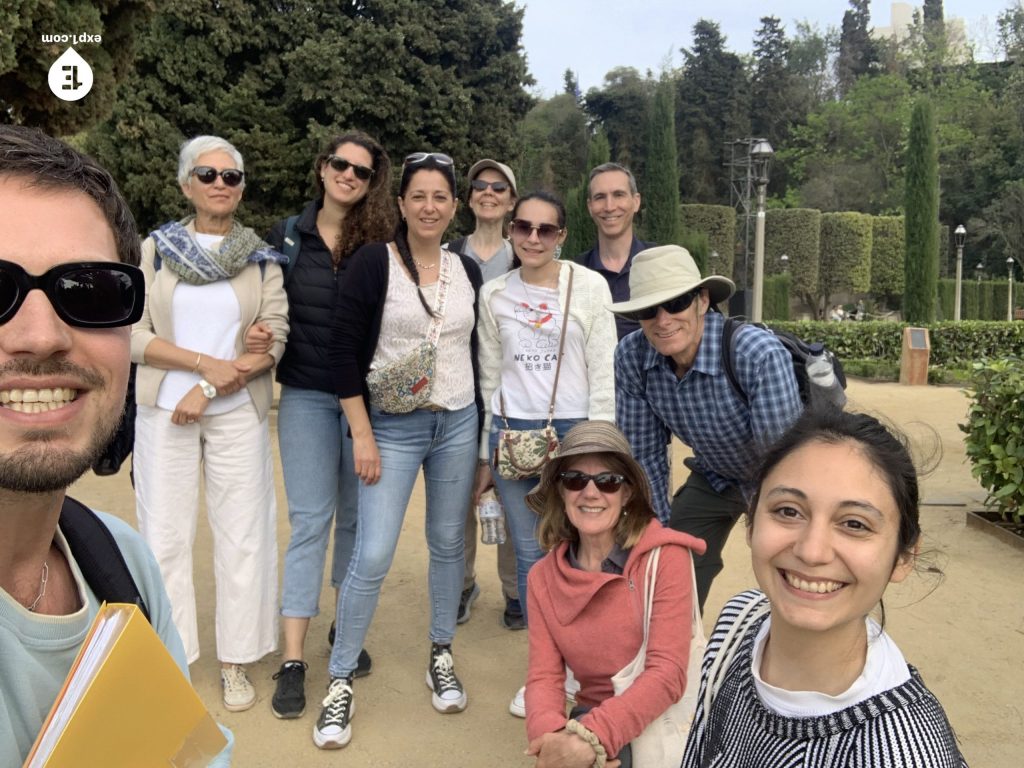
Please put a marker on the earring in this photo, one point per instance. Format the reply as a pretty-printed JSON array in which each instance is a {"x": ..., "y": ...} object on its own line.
[{"x": 558, "y": 251}]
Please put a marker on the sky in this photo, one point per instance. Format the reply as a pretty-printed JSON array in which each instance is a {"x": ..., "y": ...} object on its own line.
[{"x": 592, "y": 37}]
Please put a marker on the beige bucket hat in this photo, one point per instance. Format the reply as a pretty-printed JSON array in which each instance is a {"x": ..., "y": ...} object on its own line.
[{"x": 662, "y": 273}]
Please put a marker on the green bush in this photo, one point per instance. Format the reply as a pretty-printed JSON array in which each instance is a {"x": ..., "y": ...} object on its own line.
[
  {"x": 776, "y": 297},
  {"x": 954, "y": 345},
  {"x": 845, "y": 254},
  {"x": 795, "y": 232},
  {"x": 718, "y": 222},
  {"x": 887, "y": 256},
  {"x": 995, "y": 433},
  {"x": 985, "y": 300}
]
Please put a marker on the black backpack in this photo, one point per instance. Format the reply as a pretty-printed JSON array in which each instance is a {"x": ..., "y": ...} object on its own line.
[
  {"x": 98, "y": 556},
  {"x": 812, "y": 364}
]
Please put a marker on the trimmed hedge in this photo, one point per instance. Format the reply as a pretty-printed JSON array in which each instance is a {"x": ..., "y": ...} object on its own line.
[
  {"x": 795, "y": 232},
  {"x": 718, "y": 222},
  {"x": 776, "y": 297},
  {"x": 981, "y": 301},
  {"x": 955, "y": 345},
  {"x": 845, "y": 254},
  {"x": 887, "y": 256}
]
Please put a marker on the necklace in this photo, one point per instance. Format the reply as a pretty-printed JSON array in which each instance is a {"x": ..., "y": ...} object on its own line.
[
  {"x": 421, "y": 265},
  {"x": 42, "y": 587}
]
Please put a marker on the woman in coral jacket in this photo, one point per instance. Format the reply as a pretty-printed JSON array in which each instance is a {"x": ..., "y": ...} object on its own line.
[{"x": 586, "y": 603}]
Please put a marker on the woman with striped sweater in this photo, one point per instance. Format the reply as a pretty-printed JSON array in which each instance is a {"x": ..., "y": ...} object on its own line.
[{"x": 798, "y": 673}]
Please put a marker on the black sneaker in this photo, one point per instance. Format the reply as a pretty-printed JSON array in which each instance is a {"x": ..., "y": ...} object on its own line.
[
  {"x": 289, "y": 699},
  {"x": 469, "y": 597},
  {"x": 449, "y": 695},
  {"x": 333, "y": 729},
  {"x": 365, "y": 664},
  {"x": 513, "y": 617}
]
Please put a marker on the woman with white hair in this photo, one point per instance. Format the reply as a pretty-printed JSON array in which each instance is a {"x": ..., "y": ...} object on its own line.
[{"x": 202, "y": 410}]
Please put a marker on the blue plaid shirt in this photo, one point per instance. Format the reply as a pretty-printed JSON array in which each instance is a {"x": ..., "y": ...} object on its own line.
[{"x": 727, "y": 435}]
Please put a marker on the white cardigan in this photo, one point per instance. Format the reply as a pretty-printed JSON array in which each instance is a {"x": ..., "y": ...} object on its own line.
[{"x": 588, "y": 307}]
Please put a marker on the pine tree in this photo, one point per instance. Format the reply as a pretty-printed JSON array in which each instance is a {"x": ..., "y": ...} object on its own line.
[
  {"x": 582, "y": 233},
  {"x": 661, "y": 185},
  {"x": 921, "y": 264},
  {"x": 772, "y": 97},
  {"x": 857, "y": 51}
]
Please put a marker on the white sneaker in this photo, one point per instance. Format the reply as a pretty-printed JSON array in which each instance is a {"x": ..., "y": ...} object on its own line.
[
  {"x": 333, "y": 729},
  {"x": 239, "y": 695},
  {"x": 449, "y": 695},
  {"x": 517, "y": 706}
]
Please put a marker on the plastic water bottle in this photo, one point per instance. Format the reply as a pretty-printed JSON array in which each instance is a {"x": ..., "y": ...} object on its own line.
[
  {"x": 492, "y": 520},
  {"x": 819, "y": 369}
]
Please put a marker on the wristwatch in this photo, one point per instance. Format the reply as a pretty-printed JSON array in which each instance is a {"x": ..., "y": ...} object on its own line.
[{"x": 208, "y": 389}]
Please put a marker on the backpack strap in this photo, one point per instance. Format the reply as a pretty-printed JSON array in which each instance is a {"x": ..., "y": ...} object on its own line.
[
  {"x": 292, "y": 244},
  {"x": 732, "y": 325},
  {"x": 98, "y": 555}
]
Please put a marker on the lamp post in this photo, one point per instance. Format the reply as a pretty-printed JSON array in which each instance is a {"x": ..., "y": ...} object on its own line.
[
  {"x": 760, "y": 161},
  {"x": 784, "y": 259},
  {"x": 1009, "y": 288},
  {"x": 713, "y": 262},
  {"x": 978, "y": 269},
  {"x": 960, "y": 234}
]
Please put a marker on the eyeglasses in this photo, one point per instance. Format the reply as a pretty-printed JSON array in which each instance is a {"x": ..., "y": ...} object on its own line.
[
  {"x": 340, "y": 164},
  {"x": 606, "y": 482},
  {"x": 546, "y": 233},
  {"x": 85, "y": 294},
  {"x": 672, "y": 306},
  {"x": 480, "y": 185},
  {"x": 208, "y": 174},
  {"x": 438, "y": 157}
]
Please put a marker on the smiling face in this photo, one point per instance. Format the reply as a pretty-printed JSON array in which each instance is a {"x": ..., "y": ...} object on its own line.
[
  {"x": 612, "y": 205},
  {"x": 344, "y": 188},
  {"x": 428, "y": 205},
  {"x": 488, "y": 205},
  {"x": 215, "y": 200},
  {"x": 678, "y": 335},
  {"x": 823, "y": 538},
  {"x": 592, "y": 512},
  {"x": 532, "y": 251},
  {"x": 80, "y": 375}
]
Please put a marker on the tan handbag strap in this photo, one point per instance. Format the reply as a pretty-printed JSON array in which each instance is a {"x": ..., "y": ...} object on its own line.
[{"x": 558, "y": 363}]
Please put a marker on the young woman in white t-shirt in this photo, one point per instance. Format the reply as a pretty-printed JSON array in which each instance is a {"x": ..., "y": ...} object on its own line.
[{"x": 520, "y": 327}]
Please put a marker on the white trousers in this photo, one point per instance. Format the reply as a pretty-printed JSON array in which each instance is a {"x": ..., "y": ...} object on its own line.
[{"x": 232, "y": 450}]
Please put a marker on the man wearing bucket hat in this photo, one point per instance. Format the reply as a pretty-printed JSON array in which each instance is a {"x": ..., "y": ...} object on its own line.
[{"x": 670, "y": 380}]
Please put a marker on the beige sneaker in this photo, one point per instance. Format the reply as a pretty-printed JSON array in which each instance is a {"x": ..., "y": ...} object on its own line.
[{"x": 239, "y": 695}]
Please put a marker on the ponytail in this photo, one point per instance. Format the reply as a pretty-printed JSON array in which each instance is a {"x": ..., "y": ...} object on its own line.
[{"x": 402, "y": 243}]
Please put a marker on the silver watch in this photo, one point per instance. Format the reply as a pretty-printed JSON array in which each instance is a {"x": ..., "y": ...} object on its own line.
[{"x": 208, "y": 389}]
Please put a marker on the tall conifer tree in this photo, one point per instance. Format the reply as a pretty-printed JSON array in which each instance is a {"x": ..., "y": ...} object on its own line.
[{"x": 921, "y": 264}]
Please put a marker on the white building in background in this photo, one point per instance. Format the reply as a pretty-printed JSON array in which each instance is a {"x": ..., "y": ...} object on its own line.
[{"x": 901, "y": 21}]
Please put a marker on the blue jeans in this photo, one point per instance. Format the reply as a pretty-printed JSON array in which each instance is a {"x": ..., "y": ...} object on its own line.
[
  {"x": 444, "y": 443},
  {"x": 321, "y": 485},
  {"x": 520, "y": 519}
]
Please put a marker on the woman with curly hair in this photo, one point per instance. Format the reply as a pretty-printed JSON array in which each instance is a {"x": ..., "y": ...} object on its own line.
[{"x": 353, "y": 174}]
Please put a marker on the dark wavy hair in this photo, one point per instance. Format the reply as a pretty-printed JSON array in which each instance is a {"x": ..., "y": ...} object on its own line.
[
  {"x": 401, "y": 235},
  {"x": 48, "y": 163},
  {"x": 372, "y": 219}
]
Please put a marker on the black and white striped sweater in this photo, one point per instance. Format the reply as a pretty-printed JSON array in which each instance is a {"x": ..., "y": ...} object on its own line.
[{"x": 904, "y": 727}]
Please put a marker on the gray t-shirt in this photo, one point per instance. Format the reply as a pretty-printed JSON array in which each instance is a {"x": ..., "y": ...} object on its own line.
[{"x": 497, "y": 265}]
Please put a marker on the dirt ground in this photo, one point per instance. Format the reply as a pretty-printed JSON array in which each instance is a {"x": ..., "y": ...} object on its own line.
[{"x": 963, "y": 631}]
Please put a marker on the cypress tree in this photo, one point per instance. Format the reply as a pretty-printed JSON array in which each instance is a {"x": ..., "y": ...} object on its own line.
[
  {"x": 582, "y": 234},
  {"x": 661, "y": 192},
  {"x": 921, "y": 265}
]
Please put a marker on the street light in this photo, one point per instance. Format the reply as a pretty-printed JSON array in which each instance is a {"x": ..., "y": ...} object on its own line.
[
  {"x": 978, "y": 269},
  {"x": 760, "y": 161},
  {"x": 960, "y": 234},
  {"x": 785, "y": 262},
  {"x": 1009, "y": 288}
]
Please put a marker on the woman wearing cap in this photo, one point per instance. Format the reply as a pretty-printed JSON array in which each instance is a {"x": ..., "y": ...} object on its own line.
[
  {"x": 202, "y": 410},
  {"x": 492, "y": 193},
  {"x": 586, "y": 602},
  {"x": 522, "y": 322},
  {"x": 388, "y": 304}
]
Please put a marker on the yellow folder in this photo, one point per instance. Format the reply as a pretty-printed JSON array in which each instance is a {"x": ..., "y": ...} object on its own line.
[{"x": 126, "y": 704}]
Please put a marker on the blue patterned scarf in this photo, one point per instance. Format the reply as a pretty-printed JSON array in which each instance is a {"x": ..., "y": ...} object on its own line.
[{"x": 196, "y": 265}]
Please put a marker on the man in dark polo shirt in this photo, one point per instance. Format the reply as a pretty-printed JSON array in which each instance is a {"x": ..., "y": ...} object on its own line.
[{"x": 613, "y": 200}]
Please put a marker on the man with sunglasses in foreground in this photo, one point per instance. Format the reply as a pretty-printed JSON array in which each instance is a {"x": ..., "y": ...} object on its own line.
[
  {"x": 669, "y": 380},
  {"x": 70, "y": 288}
]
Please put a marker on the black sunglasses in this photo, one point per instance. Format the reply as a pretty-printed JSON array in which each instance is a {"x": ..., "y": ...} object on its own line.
[
  {"x": 546, "y": 233},
  {"x": 85, "y": 294},
  {"x": 606, "y": 482},
  {"x": 340, "y": 164},
  {"x": 438, "y": 157},
  {"x": 480, "y": 185},
  {"x": 208, "y": 174},
  {"x": 672, "y": 306}
]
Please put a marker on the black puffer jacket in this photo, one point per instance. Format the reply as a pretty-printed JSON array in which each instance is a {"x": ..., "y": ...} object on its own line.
[{"x": 312, "y": 286}]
